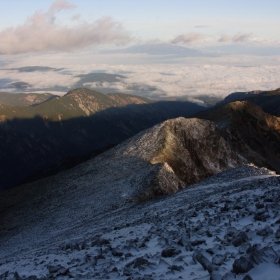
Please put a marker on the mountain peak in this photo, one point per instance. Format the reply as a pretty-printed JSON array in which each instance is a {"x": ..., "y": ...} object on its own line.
[{"x": 82, "y": 91}]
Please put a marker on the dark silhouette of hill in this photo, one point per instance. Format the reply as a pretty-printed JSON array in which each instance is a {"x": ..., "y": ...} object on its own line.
[
  {"x": 31, "y": 144},
  {"x": 97, "y": 78},
  {"x": 36, "y": 68},
  {"x": 269, "y": 101}
]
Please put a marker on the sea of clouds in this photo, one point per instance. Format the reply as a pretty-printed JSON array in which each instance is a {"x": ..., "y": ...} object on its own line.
[{"x": 146, "y": 75}]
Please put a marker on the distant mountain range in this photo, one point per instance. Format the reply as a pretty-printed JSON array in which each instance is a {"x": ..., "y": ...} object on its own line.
[
  {"x": 35, "y": 137},
  {"x": 98, "y": 78},
  {"x": 269, "y": 101},
  {"x": 36, "y": 68},
  {"x": 23, "y": 99},
  {"x": 159, "y": 49}
]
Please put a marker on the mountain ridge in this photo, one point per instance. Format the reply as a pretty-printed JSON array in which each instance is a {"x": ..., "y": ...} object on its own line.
[
  {"x": 24, "y": 99},
  {"x": 268, "y": 100}
]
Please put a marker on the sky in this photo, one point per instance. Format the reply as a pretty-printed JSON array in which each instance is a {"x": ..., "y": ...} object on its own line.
[{"x": 239, "y": 43}]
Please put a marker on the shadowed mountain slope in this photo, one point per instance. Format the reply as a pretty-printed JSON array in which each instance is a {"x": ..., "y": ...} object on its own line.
[
  {"x": 254, "y": 133},
  {"x": 73, "y": 125}
]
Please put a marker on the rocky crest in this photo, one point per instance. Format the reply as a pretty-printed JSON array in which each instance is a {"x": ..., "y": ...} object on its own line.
[{"x": 252, "y": 132}]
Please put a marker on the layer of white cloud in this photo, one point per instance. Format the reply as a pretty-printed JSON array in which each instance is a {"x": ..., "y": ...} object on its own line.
[
  {"x": 40, "y": 80},
  {"x": 217, "y": 76}
]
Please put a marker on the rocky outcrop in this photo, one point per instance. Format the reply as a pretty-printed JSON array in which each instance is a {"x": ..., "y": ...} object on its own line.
[
  {"x": 252, "y": 132},
  {"x": 194, "y": 149}
]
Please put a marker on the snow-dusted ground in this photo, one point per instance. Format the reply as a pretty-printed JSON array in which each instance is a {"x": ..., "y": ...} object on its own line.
[{"x": 228, "y": 224}]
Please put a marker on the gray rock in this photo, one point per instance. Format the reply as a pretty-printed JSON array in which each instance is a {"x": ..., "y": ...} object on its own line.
[
  {"x": 32, "y": 277},
  {"x": 138, "y": 262},
  {"x": 198, "y": 242},
  {"x": 54, "y": 268},
  {"x": 229, "y": 276},
  {"x": 261, "y": 217},
  {"x": 243, "y": 248},
  {"x": 168, "y": 253},
  {"x": 116, "y": 253},
  {"x": 206, "y": 264},
  {"x": 63, "y": 271},
  {"x": 219, "y": 259},
  {"x": 242, "y": 265},
  {"x": 52, "y": 251},
  {"x": 277, "y": 234},
  {"x": 265, "y": 231},
  {"x": 237, "y": 207},
  {"x": 176, "y": 267},
  {"x": 232, "y": 232},
  {"x": 247, "y": 277},
  {"x": 214, "y": 250},
  {"x": 239, "y": 239},
  {"x": 16, "y": 275},
  {"x": 259, "y": 205},
  {"x": 215, "y": 275},
  {"x": 266, "y": 254}
]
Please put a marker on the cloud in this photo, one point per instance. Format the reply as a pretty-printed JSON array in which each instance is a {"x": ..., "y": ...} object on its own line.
[
  {"x": 202, "y": 26},
  {"x": 41, "y": 33},
  {"x": 241, "y": 38},
  {"x": 237, "y": 38},
  {"x": 36, "y": 80},
  {"x": 60, "y": 5},
  {"x": 187, "y": 38},
  {"x": 224, "y": 38}
]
